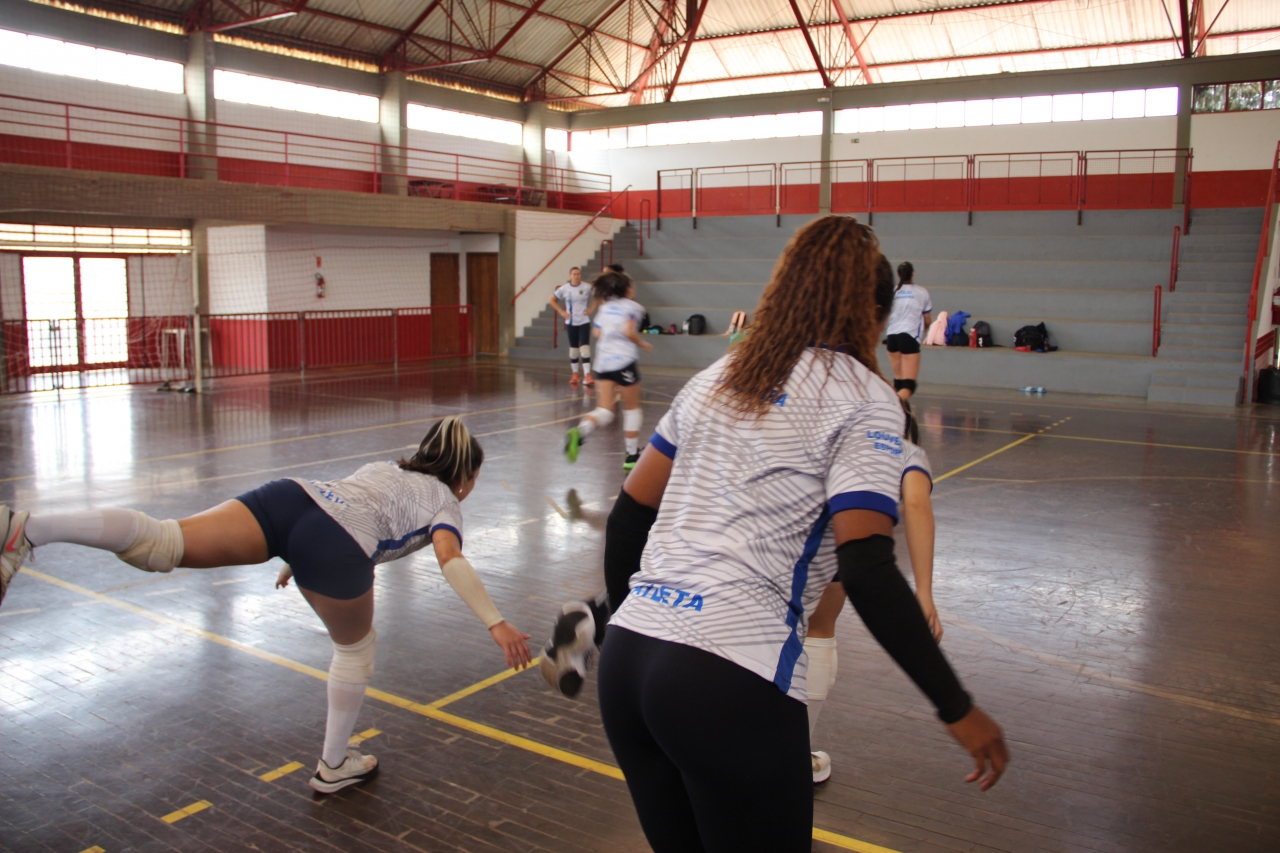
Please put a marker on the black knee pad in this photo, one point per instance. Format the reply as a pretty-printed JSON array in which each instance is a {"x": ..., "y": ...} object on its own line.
[{"x": 909, "y": 384}]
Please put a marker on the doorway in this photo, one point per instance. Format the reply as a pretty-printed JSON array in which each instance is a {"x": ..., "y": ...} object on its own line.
[
  {"x": 446, "y": 295},
  {"x": 482, "y": 293},
  {"x": 77, "y": 311}
]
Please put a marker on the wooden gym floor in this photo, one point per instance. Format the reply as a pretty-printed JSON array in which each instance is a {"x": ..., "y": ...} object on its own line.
[{"x": 1106, "y": 573}]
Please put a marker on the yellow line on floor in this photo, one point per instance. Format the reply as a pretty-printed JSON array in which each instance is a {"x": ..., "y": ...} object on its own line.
[
  {"x": 94, "y": 849},
  {"x": 356, "y": 740},
  {"x": 1058, "y": 435},
  {"x": 431, "y": 710},
  {"x": 174, "y": 817},
  {"x": 1099, "y": 675},
  {"x": 273, "y": 775},
  {"x": 1008, "y": 446}
]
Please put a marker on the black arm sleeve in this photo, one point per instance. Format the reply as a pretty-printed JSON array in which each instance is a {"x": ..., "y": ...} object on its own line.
[
  {"x": 891, "y": 613},
  {"x": 624, "y": 538}
]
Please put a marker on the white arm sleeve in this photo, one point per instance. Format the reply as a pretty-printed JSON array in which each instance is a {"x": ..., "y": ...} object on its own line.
[{"x": 466, "y": 583}]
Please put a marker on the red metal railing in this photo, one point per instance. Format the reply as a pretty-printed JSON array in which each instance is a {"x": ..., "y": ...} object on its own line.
[
  {"x": 45, "y": 133},
  {"x": 735, "y": 190},
  {"x": 675, "y": 193},
  {"x": 78, "y": 352},
  {"x": 645, "y": 223},
  {"x": 1187, "y": 172},
  {"x": 608, "y": 205},
  {"x": 1173, "y": 261},
  {"x": 1156, "y": 321},
  {"x": 1259, "y": 266},
  {"x": 1129, "y": 179}
]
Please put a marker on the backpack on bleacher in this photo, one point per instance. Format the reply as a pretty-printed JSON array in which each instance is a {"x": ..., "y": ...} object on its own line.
[
  {"x": 695, "y": 325},
  {"x": 1034, "y": 338},
  {"x": 982, "y": 329}
]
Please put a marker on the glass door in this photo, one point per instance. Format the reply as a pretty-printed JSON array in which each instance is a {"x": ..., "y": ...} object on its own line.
[{"x": 77, "y": 312}]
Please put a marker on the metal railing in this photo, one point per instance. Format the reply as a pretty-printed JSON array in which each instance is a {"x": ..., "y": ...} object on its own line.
[
  {"x": 1174, "y": 261},
  {"x": 1156, "y": 321},
  {"x": 47, "y": 133},
  {"x": 677, "y": 200},
  {"x": 608, "y": 205},
  {"x": 644, "y": 224},
  {"x": 1259, "y": 266}
]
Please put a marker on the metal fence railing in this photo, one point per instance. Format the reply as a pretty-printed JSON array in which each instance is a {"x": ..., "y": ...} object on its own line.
[
  {"x": 46, "y": 133},
  {"x": 40, "y": 355}
]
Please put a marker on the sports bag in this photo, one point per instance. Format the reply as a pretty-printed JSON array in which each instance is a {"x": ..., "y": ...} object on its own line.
[
  {"x": 1034, "y": 338},
  {"x": 982, "y": 329},
  {"x": 695, "y": 325},
  {"x": 956, "y": 335}
]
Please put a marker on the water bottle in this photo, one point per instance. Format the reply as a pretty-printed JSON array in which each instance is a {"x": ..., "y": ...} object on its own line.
[{"x": 1033, "y": 389}]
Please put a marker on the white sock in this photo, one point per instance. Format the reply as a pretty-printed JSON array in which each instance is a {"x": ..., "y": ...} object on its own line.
[
  {"x": 586, "y": 366},
  {"x": 815, "y": 710},
  {"x": 109, "y": 529},
  {"x": 633, "y": 445},
  {"x": 586, "y": 427},
  {"x": 344, "y": 707},
  {"x": 820, "y": 676}
]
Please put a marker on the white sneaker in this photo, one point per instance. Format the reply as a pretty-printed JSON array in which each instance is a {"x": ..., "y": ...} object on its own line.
[
  {"x": 354, "y": 768},
  {"x": 572, "y": 647},
  {"x": 16, "y": 547},
  {"x": 821, "y": 766}
]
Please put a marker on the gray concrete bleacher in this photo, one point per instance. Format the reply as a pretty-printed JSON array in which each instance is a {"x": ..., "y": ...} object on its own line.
[{"x": 1091, "y": 284}]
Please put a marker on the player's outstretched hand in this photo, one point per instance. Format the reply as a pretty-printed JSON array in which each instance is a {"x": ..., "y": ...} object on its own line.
[
  {"x": 514, "y": 643},
  {"x": 981, "y": 738},
  {"x": 645, "y": 345},
  {"x": 282, "y": 580},
  {"x": 931, "y": 616}
]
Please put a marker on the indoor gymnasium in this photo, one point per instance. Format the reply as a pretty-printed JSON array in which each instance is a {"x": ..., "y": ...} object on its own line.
[{"x": 853, "y": 424}]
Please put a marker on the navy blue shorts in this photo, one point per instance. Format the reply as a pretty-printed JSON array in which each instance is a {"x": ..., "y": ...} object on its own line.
[
  {"x": 579, "y": 336},
  {"x": 324, "y": 557}
]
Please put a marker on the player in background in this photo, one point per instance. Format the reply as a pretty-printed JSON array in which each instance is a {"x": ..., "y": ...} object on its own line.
[
  {"x": 820, "y": 642},
  {"x": 618, "y": 345},
  {"x": 331, "y": 534},
  {"x": 579, "y": 305},
  {"x": 912, "y": 311}
]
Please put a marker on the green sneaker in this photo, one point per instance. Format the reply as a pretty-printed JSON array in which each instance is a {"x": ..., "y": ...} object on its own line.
[
  {"x": 630, "y": 461},
  {"x": 572, "y": 441}
]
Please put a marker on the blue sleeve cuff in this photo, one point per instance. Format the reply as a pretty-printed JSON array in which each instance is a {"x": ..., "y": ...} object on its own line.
[
  {"x": 911, "y": 468},
  {"x": 660, "y": 444},
  {"x": 451, "y": 529},
  {"x": 865, "y": 500}
]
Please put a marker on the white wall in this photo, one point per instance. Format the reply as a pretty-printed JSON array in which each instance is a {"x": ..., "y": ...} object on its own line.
[
  {"x": 238, "y": 269},
  {"x": 538, "y": 237},
  {"x": 639, "y": 166},
  {"x": 159, "y": 285},
  {"x": 75, "y": 90},
  {"x": 1227, "y": 141},
  {"x": 270, "y": 118},
  {"x": 1109, "y": 135},
  {"x": 444, "y": 143},
  {"x": 12, "y": 306}
]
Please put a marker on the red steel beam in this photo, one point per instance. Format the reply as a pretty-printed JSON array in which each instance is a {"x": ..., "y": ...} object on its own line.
[
  {"x": 813, "y": 48},
  {"x": 854, "y": 45},
  {"x": 585, "y": 34},
  {"x": 691, "y": 33},
  {"x": 1184, "y": 19},
  {"x": 406, "y": 33},
  {"x": 663, "y": 26}
]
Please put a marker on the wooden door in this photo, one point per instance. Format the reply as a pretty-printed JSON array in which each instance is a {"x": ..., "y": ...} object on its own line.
[
  {"x": 445, "y": 295},
  {"x": 482, "y": 294}
]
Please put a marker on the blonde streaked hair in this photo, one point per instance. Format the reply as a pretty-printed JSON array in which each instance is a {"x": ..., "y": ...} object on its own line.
[{"x": 448, "y": 452}]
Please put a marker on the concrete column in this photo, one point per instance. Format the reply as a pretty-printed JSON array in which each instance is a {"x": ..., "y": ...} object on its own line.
[
  {"x": 393, "y": 117},
  {"x": 507, "y": 289},
  {"x": 828, "y": 138},
  {"x": 202, "y": 108},
  {"x": 535, "y": 151},
  {"x": 1183, "y": 139}
]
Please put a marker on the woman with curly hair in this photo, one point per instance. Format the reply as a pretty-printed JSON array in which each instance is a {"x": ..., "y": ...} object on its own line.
[{"x": 775, "y": 470}]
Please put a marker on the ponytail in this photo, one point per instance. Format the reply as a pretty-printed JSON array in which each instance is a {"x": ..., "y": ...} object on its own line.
[{"x": 448, "y": 452}]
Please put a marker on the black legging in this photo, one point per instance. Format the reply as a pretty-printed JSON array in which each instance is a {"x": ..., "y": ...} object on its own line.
[{"x": 716, "y": 757}]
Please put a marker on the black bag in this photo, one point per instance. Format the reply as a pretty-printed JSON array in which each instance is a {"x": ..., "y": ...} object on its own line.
[
  {"x": 1269, "y": 385},
  {"x": 983, "y": 330},
  {"x": 645, "y": 325},
  {"x": 695, "y": 325},
  {"x": 1035, "y": 338}
]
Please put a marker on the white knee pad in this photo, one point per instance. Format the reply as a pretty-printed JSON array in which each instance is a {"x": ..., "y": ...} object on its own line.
[
  {"x": 573, "y": 354},
  {"x": 821, "y": 675},
  {"x": 585, "y": 349},
  {"x": 602, "y": 416},
  {"x": 353, "y": 664},
  {"x": 631, "y": 419},
  {"x": 156, "y": 546}
]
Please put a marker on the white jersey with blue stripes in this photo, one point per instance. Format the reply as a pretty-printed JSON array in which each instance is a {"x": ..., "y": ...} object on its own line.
[
  {"x": 742, "y": 547},
  {"x": 915, "y": 459},
  {"x": 614, "y": 350},
  {"x": 576, "y": 299},
  {"x": 390, "y": 512},
  {"x": 910, "y": 303}
]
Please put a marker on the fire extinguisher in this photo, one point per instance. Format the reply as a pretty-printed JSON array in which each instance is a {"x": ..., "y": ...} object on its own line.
[{"x": 319, "y": 280}]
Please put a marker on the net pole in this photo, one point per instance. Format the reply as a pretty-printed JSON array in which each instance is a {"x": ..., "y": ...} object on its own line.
[{"x": 197, "y": 357}]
